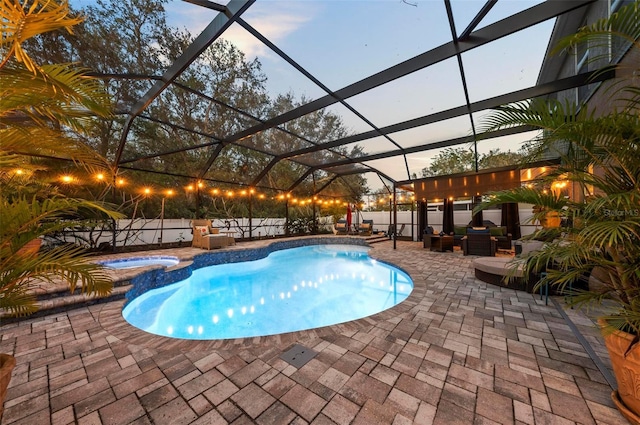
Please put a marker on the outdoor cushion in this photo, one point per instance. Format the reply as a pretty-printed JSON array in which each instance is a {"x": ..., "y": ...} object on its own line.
[
  {"x": 496, "y": 231},
  {"x": 459, "y": 230},
  {"x": 478, "y": 230},
  {"x": 204, "y": 230}
]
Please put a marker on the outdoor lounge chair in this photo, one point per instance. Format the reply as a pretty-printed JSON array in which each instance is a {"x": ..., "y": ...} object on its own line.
[
  {"x": 341, "y": 227},
  {"x": 365, "y": 228},
  {"x": 391, "y": 231},
  {"x": 479, "y": 242},
  {"x": 207, "y": 237}
]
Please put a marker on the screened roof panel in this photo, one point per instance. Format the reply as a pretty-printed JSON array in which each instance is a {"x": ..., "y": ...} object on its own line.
[
  {"x": 283, "y": 77},
  {"x": 506, "y": 65},
  {"x": 343, "y": 42},
  {"x": 427, "y": 91},
  {"x": 318, "y": 158},
  {"x": 393, "y": 167},
  {"x": 275, "y": 142},
  {"x": 195, "y": 18},
  {"x": 370, "y": 146},
  {"x": 403, "y": 92},
  {"x": 236, "y": 164},
  {"x": 192, "y": 112},
  {"x": 347, "y": 169},
  {"x": 503, "y": 9},
  {"x": 283, "y": 175},
  {"x": 439, "y": 131},
  {"x": 152, "y": 140}
]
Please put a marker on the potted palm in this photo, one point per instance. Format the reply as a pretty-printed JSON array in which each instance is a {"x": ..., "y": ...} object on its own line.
[
  {"x": 42, "y": 109},
  {"x": 600, "y": 233}
]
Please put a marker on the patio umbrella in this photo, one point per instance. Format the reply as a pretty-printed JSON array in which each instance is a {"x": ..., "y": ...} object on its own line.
[{"x": 348, "y": 217}]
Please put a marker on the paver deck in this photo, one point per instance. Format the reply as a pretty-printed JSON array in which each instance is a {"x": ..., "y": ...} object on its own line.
[{"x": 457, "y": 351}]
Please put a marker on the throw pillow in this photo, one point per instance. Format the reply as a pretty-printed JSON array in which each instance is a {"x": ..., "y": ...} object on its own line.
[
  {"x": 496, "y": 231},
  {"x": 203, "y": 230}
]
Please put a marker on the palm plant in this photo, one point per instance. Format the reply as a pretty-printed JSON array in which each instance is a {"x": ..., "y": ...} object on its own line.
[
  {"x": 600, "y": 155},
  {"x": 43, "y": 111}
]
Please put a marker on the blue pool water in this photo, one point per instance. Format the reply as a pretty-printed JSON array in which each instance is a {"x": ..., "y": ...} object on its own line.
[
  {"x": 132, "y": 262},
  {"x": 290, "y": 290}
]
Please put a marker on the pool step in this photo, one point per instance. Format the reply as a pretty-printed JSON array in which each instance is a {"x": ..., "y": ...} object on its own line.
[
  {"x": 59, "y": 299},
  {"x": 377, "y": 239}
]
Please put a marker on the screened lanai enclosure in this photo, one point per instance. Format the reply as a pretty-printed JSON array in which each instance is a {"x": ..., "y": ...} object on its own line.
[
  {"x": 348, "y": 101},
  {"x": 370, "y": 88}
]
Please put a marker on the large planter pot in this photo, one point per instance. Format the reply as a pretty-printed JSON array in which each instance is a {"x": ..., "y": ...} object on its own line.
[
  {"x": 7, "y": 363},
  {"x": 626, "y": 368}
]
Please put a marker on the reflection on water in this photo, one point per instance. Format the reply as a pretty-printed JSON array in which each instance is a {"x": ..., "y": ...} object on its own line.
[{"x": 290, "y": 290}]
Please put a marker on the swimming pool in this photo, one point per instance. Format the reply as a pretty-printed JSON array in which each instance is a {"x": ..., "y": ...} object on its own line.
[
  {"x": 289, "y": 290},
  {"x": 132, "y": 262}
]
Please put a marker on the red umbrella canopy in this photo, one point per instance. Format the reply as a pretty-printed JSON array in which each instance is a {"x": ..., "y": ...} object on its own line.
[{"x": 348, "y": 215}]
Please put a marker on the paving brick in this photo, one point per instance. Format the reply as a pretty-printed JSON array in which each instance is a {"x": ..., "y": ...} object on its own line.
[
  {"x": 471, "y": 376},
  {"x": 494, "y": 406},
  {"x": 211, "y": 417},
  {"x": 93, "y": 402},
  {"x": 200, "y": 384},
  {"x": 277, "y": 413},
  {"x": 175, "y": 412},
  {"x": 137, "y": 382},
  {"x": 420, "y": 390},
  {"x": 158, "y": 397},
  {"x": 341, "y": 410},
  {"x": 303, "y": 402},
  {"x": 231, "y": 366},
  {"x": 122, "y": 411},
  {"x": 253, "y": 400},
  {"x": 27, "y": 408},
  {"x": 78, "y": 393},
  {"x": 249, "y": 373},
  {"x": 367, "y": 388},
  {"x": 407, "y": 364},
  {"x": 374, "y": 413},
  {"x": 402, "y": 402},
  {"x": 63, "y": 417},
  {"x": 220, "y": 392},
  {"x": 333, "y": 379}
]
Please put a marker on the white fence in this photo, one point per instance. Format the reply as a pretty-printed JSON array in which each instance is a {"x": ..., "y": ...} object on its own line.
[{"x": 167, "y": 231}]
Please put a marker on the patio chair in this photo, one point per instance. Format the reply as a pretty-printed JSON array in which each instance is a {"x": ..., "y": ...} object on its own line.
[
  {"x": 365, "y": 228},
  {"x": 391, "y": 231},
  {"x": 479, "y": 242},
  {"x": 341, "y": 227},
  {"x": 207, "y": 237}
]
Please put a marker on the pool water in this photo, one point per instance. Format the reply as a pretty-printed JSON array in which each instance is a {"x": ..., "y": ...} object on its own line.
[
  {"x": 133, "y": 262},
  {"x": 290, "y": 290}
]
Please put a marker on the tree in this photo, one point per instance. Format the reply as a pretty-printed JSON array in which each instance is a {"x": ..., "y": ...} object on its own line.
[
  {"x": 460, "y": 160},
  {"x": 42, "y": 110}
]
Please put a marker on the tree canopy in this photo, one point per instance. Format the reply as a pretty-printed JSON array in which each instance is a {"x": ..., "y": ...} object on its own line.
[{"x": 171, "y": 145}]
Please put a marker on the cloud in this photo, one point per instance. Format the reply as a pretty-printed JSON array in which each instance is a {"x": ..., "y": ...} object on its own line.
[
  {"x": 274, "y": 20},
  {"x": 275, "y": 23}
]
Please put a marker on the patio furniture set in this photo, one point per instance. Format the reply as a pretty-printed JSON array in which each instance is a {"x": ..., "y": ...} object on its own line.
[{"x": 207, "y": 237}]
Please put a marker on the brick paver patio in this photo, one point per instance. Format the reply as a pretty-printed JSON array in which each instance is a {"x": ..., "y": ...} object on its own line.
[{"x": 458, "y": 351}]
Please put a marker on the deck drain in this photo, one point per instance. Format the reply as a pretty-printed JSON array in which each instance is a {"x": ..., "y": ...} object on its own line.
[{"x": 298, "y": 355}]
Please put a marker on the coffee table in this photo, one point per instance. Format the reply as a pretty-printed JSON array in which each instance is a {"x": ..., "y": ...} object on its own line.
[{"x": 441, "y": 243}]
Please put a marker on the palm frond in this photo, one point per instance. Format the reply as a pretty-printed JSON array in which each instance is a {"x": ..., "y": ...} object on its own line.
[{"x": 21, "y": 22}]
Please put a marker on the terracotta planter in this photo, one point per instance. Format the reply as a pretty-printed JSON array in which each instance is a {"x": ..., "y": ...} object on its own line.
[
  {"x": 7, "y": 363},
  {"x": 626, "y": 368}
]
